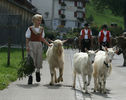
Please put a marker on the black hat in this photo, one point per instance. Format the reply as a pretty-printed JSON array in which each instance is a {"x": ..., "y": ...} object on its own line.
[
  {"x": 104, "y": 26},
  {"x": 86, "y": 24}
]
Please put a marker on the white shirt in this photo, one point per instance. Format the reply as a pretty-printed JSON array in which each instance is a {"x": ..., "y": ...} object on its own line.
[
  {"x": 86, "y": 33},
  {"x": 28, "y": 33},
  {"x": 105, "y": 37}
]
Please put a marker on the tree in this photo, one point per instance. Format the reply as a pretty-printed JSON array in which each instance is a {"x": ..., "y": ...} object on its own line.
[{"x": 116, "y": 6}]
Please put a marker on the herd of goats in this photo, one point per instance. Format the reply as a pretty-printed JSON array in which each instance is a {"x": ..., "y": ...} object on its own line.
[{"x": 93, "y": 61}]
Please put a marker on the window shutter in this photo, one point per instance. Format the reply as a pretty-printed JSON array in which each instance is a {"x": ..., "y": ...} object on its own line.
[
  {"x": 83, "y": 15},
  {"x": 59, "y": 1},
  {"x": 59, "y": 12},
  {"x": 75, "y": 3},
  {"x": 84, "y": 5},
  {"x": 75, "y": 14}
]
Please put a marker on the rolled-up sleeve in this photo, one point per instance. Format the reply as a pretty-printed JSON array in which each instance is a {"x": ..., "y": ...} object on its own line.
[
  {"x": 91, "y": 33},
  {"x": 109, "y": 34},
  {"x": 43, "y": 34},
  {"x": 80, "y": 32},
  {"x": 99, "y": 34},
  {"x": 28, "y": 33}
]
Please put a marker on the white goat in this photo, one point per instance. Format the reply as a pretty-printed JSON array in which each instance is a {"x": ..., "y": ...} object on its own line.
[
  {"x": 111, "y": 52},
  {"x": 83, "y": 66},
  {"x": 55, "y": 59},
  {"x": 102, "y": 69}
]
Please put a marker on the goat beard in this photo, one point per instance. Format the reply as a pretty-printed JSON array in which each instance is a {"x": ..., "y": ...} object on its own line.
[{"x": 60, "y": 51}]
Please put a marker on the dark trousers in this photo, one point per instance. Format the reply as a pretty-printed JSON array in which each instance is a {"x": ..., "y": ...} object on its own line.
[
  {"x": 105, "y": 44},
  {"x": 85, "y": 43}
]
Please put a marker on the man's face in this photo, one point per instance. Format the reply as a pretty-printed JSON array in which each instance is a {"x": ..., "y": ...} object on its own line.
[
  {"x": 104, "y": 29},
  {"x": 86, "y": 27}
]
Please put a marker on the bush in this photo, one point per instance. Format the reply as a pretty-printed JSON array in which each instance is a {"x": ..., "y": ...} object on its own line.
[
  {"x": 90, "y": 19},
  {"x": 50, "y": 33},
  {"x": 115, "y": 31},
  {"x": 77, "y": 30},
  {"x": 95, "y": 30}
]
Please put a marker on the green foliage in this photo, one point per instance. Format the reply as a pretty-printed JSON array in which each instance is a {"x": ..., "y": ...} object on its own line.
[
  {"x": 116, "y": 6},
  {"x": 95, "y": 30},
  {"x": 104, "y": 17},
  {"x": 90, "y": 19},
  {"x": 76, "y": 30},
  {"x": 49, "y": 33},
  {"x": 26, "y": 67},
  {"x": 9, "y": 73},
  {"x": 71, "y": 35},
  {"x": 115, "y": 31}
]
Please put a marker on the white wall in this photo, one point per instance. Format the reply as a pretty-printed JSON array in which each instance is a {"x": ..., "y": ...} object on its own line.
[
  {"x": 57, "y": 7},
  {"x": 47, "y": 6},
  {"x": 43, "y": 6},
  {"x": 70, "y": 23},
  {"x": 70, "y": 9}
]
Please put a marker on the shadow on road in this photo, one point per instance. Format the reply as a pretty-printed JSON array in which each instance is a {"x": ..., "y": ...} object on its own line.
[
  {"x": 27, "y": 86},
  {"x": 81, "y": 95},
  {"x": 102, "y": 94},
  {"x": 121, "y": 66},
  {"x": 56, "y": 86}
]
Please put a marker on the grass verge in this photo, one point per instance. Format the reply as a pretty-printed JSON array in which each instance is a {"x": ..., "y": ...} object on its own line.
[{"x": 8, "y": 74}]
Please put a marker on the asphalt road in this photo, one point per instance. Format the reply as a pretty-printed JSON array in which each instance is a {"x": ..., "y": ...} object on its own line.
[{"x": 116, "y": 85}]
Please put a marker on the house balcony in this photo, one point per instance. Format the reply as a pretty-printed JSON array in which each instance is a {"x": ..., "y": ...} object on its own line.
[
  {"x": 80, "y": 19},
  {"x": 63, "y": 4},
  {"x": 63, "y": 7},
  {"x": 62, "y": 16}
]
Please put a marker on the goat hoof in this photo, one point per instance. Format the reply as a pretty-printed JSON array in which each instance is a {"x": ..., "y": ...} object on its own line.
[
  {"x": 61, "y": 79},
  {"x": 56, "y": 81},
  {"x": 73, "y": 87},
  {"x": 104, "y": 92},
  {"x": 51, "y": 83}
]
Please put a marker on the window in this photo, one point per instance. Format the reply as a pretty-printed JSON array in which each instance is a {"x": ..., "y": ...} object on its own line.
[
  {"x": 61, "y": 11},
  {"x": 61, "y": 1},
  {"x": 79, "y": 15},
  {"x": 79, "y": 4},
  {"x": 63, "y": 22}
]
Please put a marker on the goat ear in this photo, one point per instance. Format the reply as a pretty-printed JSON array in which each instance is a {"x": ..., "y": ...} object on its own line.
[
  {"x": 64, "y": 41},
  {"x": 105, "y": 48},
  {"x": 114, "y": 48},
  {"x": 96, "y": 50}
]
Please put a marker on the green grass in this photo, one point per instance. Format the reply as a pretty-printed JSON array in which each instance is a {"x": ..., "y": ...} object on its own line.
[
  {"x": 8, "y": 74},
  {"x": 103, "y": 18}
]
